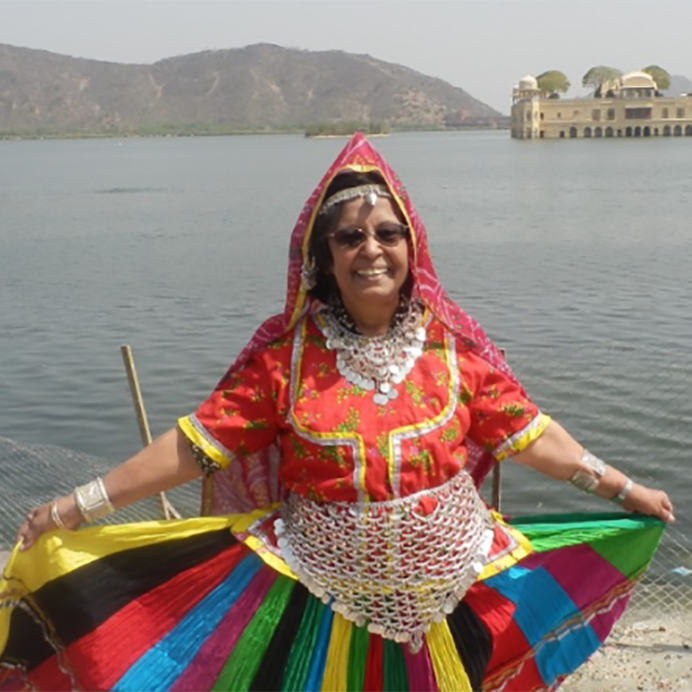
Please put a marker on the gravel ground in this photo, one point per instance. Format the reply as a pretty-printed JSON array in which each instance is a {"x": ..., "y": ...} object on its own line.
[{"x": 644, "y": 653}]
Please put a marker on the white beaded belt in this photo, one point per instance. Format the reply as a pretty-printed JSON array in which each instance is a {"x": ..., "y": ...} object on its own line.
[{"x": 398, "y": 565}]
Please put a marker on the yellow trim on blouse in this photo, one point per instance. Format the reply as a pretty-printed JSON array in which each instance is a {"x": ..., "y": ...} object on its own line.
[
  {"x": 190, "y": 431},
  {"x": 520, "y": 442}
]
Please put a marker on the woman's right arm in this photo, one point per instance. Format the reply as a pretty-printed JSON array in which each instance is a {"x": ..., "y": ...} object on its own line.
[{"x": 165, "y": 463}]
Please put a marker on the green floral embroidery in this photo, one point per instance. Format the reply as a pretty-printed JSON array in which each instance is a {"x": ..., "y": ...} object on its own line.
[
  {"x": 258, "y": 395},
  {"x": 415, "y": 392},
  {"x": 465, "y": 395},
  {"x": 317, "y": 341},
  {"x": 298, "y": 448},
  {"x": 441, "y": 378},
  {"x": 256, "y": 424},
  {"x": 452, "y": 432},
  {"x": 233, "y": 383},
  {"x": 513, "y": 410},
  {"x": 436, "y": 347},
  {"x": 351, "y": 423},
  {"x": 333, "y": 455},
  {"x": 279, "y": 343},
  {"x": 382, "y": 443},
  {"x": 421, "y": 458}
]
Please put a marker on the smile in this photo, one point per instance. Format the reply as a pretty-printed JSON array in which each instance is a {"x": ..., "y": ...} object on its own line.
[{"x": 371, "y": 272}]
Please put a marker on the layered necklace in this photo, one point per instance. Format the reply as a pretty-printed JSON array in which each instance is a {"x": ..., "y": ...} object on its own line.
[{"x": 376, "y": 363}]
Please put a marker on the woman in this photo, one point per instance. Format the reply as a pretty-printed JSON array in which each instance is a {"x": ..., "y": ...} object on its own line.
[{"x": 343, "y": 450}]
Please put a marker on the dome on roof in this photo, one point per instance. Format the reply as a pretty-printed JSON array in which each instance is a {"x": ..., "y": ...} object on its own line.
[
  {"x": 639, "y": 80},
  {"x": 528, "y": 82}
]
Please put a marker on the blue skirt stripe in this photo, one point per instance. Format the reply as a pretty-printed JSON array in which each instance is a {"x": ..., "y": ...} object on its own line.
[
  {"x": 541, "y": 605},
  {"x": 319, "y": 659},
  {"x": 163, "y": 664}
]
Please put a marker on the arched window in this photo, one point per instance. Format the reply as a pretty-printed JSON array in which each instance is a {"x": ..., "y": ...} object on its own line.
[
  {"x": 598, "y": 132},
  {"x": 678, "y": 131},
  {"x": 688, "y": 131},
  {"x": 587, "y": 132},
  {"x": 609, "y": 132},
  {"x": 647, "y": 132},
  {"x": 666, "y": 131},
  {"x": 628, "y": 132},
  {"x": 572, "y": 132}
]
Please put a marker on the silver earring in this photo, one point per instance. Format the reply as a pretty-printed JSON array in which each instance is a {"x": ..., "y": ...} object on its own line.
[{"x": 308, "y": 274}]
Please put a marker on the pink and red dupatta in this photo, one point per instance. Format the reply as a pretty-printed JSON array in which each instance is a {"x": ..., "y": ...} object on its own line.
[{"x": 253, "y": 482}]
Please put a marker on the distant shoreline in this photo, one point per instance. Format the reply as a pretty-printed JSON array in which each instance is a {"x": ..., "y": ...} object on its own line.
[{"x": 17, "y": 137}]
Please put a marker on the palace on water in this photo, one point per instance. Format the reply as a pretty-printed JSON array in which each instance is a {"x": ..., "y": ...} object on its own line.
[{"x": 628, "y": 106}]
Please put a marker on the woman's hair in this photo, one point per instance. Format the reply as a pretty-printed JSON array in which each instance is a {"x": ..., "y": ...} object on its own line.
[{"x": 318, "y": 248}]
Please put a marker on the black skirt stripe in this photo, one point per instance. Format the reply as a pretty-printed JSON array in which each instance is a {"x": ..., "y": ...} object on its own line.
[
  {"x": 83, "y": 599},
  {"x": 473, "y": 642},
  {"x": 271, "y": 670}
]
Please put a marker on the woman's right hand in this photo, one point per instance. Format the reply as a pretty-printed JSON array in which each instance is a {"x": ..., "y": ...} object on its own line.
[{"x": 39, "y": 520}]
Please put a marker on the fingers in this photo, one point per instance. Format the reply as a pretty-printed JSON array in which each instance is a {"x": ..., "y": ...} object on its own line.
[
  {"x": 667, "y": 510},
  {"x": 30, "y": 530}
]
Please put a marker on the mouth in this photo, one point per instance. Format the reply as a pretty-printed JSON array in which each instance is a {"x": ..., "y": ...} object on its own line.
[{"x": 372, "y": 273}]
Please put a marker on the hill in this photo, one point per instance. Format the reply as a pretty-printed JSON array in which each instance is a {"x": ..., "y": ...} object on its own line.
[
  {"x": 258, "y": 87},
  {"x": 679, "y": 85}
]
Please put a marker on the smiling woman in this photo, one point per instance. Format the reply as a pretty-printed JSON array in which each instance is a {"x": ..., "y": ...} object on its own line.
[
  {"x": 344, "y": 450},
  {"x": 360, "y": 251}
]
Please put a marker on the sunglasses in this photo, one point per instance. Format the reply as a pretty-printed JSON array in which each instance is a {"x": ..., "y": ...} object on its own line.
[{"x": 388, "y": 234}]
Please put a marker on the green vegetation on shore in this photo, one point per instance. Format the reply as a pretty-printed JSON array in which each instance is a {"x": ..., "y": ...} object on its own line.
[
  {"x": 218, "y": 130},
  {"x": 346, "y": 128}
]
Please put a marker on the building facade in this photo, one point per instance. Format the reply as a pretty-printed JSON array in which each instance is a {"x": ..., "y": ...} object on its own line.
[{"x": 628, "y": 107}]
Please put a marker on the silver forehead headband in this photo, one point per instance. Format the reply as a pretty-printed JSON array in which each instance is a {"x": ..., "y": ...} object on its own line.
[{"x": 369, "y": 193}]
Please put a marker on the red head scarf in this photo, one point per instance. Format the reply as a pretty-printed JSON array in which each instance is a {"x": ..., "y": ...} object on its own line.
[{"x": 357, "y": 156}]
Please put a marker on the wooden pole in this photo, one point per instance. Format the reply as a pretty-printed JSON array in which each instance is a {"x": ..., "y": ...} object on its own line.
[
  {"x": 497, "y": 475},
  {"x": 169, "y": 512}
]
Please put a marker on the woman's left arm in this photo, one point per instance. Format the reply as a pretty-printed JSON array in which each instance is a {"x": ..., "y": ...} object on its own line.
[{"x": 558, "y": 455}]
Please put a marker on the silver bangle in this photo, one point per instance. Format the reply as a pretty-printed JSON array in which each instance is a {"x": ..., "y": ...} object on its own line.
[
  {"x": 622, "y": 495},
  {"x": 93, "y": 501},
  {"x": 55, "y": 515},
  {"x": 589, "y": 480}
]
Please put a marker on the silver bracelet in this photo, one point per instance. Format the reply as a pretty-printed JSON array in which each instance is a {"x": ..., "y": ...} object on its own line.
[
  {"x": 622, "y": 495},
  {"x": 93, "y": 501},
  {"x": 55, "y": 515},
  {"x": 588, "y": 482}
]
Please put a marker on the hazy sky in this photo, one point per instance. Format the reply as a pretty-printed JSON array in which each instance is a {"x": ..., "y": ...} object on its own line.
[{"x": 483, "y": 46}]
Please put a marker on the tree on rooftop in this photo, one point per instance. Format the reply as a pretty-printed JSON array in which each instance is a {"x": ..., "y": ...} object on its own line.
[
  {"x": 597, "y": 76},
  {"x": 552, "y": 82},
  {"x": 660, "y": 76}
]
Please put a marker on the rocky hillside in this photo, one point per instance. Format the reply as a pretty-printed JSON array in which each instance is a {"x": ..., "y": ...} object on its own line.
[{"x": 259, "y": 86}]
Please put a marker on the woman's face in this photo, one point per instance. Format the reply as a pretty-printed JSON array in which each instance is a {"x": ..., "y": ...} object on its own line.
[{"x": 370, "y": 274}]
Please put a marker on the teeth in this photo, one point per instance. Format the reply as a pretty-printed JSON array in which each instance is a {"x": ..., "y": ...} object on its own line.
[{"x": 372, "y": 272}]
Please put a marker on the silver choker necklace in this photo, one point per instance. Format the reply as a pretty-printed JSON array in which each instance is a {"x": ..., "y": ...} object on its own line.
[{"x": 376, "y": 363}]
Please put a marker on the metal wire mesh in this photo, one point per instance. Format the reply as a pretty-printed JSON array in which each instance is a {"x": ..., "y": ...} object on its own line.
[
  {"x": 31, "y": 474},
  {"x": 631, "y": 407}
]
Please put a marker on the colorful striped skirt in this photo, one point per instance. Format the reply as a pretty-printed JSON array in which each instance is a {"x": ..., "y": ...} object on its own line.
[{"x": 184, "y": 606}]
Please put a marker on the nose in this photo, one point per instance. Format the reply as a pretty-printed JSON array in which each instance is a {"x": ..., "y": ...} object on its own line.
[{"x": 371, "y": 246}]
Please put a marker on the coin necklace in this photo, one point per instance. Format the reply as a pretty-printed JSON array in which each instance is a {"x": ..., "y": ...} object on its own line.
[{"x": 376, "y": 363}]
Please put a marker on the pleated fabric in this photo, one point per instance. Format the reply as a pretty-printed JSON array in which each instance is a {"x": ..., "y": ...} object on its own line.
[{"x": 184, "y": 606}]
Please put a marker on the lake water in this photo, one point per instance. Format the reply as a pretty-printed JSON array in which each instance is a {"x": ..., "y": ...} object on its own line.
[{"x": 575, "y": 256}]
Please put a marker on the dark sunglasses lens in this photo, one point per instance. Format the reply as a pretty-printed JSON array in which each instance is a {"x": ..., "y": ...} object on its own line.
[
  {"x": 390, "y": 235},
  {"x": 349, "y": 237}
]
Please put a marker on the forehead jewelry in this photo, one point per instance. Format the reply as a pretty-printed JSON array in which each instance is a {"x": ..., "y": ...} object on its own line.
[{"x": 369, "y": 193}]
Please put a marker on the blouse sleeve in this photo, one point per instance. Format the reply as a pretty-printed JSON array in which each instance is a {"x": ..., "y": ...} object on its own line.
[
  {"x": 504, "y": 420},
  {"x": 240, "y": 417}
]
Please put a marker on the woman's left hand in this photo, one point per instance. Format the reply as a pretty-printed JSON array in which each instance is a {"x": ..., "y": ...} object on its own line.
[{"x": 655, "y": 503}]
